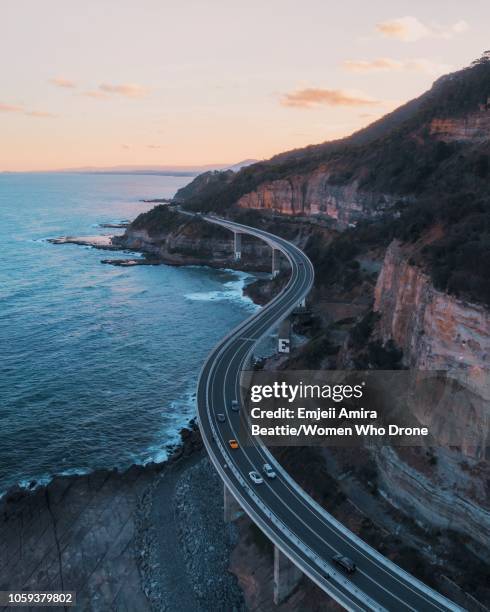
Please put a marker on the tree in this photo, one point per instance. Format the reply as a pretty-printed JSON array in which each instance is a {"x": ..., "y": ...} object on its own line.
[{"x": 484, "y": 59}]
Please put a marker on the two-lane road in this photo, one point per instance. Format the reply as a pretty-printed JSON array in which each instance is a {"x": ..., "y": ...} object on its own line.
[{"x": 300, "y": 528}]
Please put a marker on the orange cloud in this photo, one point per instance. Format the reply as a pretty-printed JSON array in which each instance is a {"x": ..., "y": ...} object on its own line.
[
  {"x": 410, "y": 29},
  {"x": 130, "y": 90},
  {"x": 387, "y": 64},
  {"x": 9, "y": 108},
  {"x": 381, "y": 63},
  {"x": 61, "y": 82},
  {"x": 310, "y": 97}
]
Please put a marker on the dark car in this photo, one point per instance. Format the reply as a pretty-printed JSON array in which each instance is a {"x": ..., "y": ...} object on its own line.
[{"x": 345, "y": 563}]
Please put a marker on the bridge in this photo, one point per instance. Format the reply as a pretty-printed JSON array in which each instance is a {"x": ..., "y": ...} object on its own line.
[{"x": 305, "y": 536}]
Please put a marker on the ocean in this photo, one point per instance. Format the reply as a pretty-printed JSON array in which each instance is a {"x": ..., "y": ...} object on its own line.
[{"x": 98, "y": 364}]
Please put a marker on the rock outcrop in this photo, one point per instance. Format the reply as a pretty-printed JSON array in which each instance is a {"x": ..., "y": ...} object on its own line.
[
  {"x": 438, "y": 332},
  {"x": 183, "y": 240},
  {"x": 453, "y": 496},
  {"x": 313, "y": 194},
  {"x": 472, "y": 128}
]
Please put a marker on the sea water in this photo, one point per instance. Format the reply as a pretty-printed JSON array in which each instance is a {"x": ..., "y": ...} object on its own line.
[{"x": 98, "y": 364}]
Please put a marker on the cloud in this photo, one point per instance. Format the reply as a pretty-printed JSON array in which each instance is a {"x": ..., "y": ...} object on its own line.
[
  {"x": 130, "y": 90},
  {"x": 381, "y": 64},
  {"x": 61, "y": 82},
  {"x": 9, "y": 108},
  {"x": 410, "y": 29},
  {"x": 99, "y": 95},
  {"x": 311, "y": 97}
]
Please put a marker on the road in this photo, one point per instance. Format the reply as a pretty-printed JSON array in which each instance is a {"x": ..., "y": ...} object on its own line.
[{"x": 293, "y": 521}]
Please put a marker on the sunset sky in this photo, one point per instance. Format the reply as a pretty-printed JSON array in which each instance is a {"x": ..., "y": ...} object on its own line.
[{"x": 155, "y": 82}]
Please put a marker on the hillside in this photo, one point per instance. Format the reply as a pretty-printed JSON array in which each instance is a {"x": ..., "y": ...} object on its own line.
[
  {"x": 423, "y": 165},
  {"x": 401, "y": 154}
]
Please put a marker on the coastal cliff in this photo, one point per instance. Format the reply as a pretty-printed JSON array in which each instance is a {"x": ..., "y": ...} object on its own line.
[
  {"x": 439, "y": 332},
  {"x": 314, "y": 194},
  {"x": 168, "y": 236},
  {"x": 473, "y": 128}
]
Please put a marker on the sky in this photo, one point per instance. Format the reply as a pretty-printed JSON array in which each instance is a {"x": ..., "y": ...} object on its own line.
[{"x": 157, "y": 82}]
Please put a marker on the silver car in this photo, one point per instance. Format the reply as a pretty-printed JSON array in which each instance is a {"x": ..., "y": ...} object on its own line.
[
  {"x": 268, "y": 471},
  {"x": 235, "y": 405},
  {"x": 255, "y": 477}
]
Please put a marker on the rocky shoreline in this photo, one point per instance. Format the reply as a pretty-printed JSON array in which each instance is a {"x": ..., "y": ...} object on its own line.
[
  {"x": 116, "y": 243},
  {"x": 85, "y": 533}
]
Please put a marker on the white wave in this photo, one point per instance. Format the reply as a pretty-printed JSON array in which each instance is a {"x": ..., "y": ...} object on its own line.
[
  {"x": 232, "y": 291},
  {"x": 178, "y": 416}
]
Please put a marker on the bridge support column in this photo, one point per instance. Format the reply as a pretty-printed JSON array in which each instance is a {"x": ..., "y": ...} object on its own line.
[
  {"x": 237, "y": 243},
  {"x": 286, "y": 576},
  {"x": 275, "y": 263},
  {"x": 232, "y": 508}
]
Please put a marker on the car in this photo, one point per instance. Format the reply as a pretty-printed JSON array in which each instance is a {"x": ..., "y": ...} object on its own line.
[
  {"x": 233, "y": 444},
  {"x": 256, "y": 477},
  {"x": 235, "y": 405},
  {"x": 221, "y": 417},
  {"x": 268, "y": 471},
  {"x": 345, "y": 563}
]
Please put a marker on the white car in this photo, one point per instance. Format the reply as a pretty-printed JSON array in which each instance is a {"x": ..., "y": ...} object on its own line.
[
  {"x": 268, "y": 471},
  {"x": 256, "y": 477}
]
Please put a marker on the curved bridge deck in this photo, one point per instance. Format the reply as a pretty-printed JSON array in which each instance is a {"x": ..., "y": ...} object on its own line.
[{"x": 297, "y": 525}]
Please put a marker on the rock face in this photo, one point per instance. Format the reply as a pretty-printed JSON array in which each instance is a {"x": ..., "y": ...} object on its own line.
[
  {"x": 440, "y": 332},
  {"x": 313, "y": 193},
  {"x": 452, "y": 497},
  {"x": 473, "y": 128},
  {"x": 195, "y": 242},
  {"x": 437, "y": 331}
]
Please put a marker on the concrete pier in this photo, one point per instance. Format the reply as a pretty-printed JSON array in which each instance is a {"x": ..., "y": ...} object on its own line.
[
  {"x": 232, "y": 509},
  {"x": 286, "y": 576},
  {"x": 275, "y": 263},
  {"x": 237, "y": 245}
]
